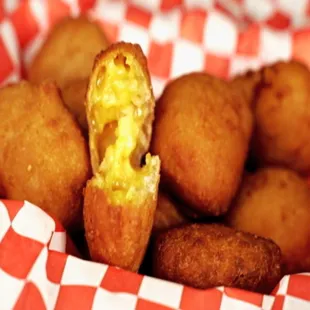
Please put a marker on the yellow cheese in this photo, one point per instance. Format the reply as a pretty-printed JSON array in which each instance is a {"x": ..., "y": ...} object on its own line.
[{"x": 119, "y": 113}]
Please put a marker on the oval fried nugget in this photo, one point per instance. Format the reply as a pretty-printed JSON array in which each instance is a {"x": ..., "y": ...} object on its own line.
[
  {"x": 120, "y": 199},
  {"x": 67, "y": 57},
  {"x": 68, "y": 52},
  {"x": 282, "y": 117},
  {"x": 201, "y": 133},
  {"x": 209, "y": 255},
  {"x": 275, "y": 203},
  {"x": 43, "y": 155}
]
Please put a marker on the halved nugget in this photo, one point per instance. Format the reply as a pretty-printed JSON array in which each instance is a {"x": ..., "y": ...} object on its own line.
[{"x": 120, "y": 199}]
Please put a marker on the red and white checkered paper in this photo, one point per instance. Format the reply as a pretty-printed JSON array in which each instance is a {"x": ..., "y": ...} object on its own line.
[{"x": 39, "y": 267}]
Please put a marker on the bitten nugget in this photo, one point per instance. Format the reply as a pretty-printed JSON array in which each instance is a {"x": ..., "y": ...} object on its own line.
[
  {"x": 168, "y": 214},
  {"x": 209, "y": 255},
  {"x": 67, "y": 56},
  {"x": 43, "y": 155},
  {"x": 275, "y": 203},
  {"x": 120, "y": 199},
  {"x": 201, "y": 134},
  {"x": 282, "y": 117}
]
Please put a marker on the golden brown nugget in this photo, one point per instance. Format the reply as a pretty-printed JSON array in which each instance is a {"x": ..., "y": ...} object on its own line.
[
  {"x": 275, "y": 203},
  {"x": 74, "y": 94},
  {"x": 120, "y": 199},
  {"x": 68, "y": 52},
  {"x": 209, "y": 255},
  {"x": 167, "y": 213},
  {"x": 68, "y": 55},
  {"x": 43, "y": 155},
  {"x": 282, "y": 117},
  {"x": 201, "y": 134}
]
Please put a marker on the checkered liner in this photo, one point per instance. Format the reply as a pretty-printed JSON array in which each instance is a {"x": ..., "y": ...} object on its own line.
[
  {"x": 222, "y": 37},
  {"x": 35, "y": 273}
]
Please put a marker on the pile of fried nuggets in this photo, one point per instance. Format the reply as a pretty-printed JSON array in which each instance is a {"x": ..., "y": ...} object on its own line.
[{"x": 232, "y": 206}]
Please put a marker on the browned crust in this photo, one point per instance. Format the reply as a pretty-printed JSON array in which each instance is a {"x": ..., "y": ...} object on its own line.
[
  {"x": 274, "y": 203},
  {"x": 117, "y": 234},
  {"x": 282, "y": 117},
  {"x": 39, "y": 69},
  {"x": 205, "y": 256},
  {"x": 201, "y": 134},
  {"x": 43, "y": 155},
  {"x": 110, "y": 53}
]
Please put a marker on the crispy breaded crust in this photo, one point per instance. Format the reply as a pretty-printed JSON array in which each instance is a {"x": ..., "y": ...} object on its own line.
[
  {"x": 43, "y": 155},
  {"x": 201, "y": 133},
  {"x": 68, "y": 52},
  {"x": 282, "y": 117},
  {"x": 205, "y": 256},
  {"x": 275, "y": 203},
  {"x": 117, "y": 235},
  {"x": 67, "y": 57}
]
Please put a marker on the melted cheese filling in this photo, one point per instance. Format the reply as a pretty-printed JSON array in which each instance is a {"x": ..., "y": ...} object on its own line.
[{"x": 119, "y": 111}]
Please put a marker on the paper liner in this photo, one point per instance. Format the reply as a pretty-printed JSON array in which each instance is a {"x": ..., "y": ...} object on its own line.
[
  {"x": 178, "y": 36},
  {"x": 221, "y": 37},
  {"x": 35, "y": 273}
]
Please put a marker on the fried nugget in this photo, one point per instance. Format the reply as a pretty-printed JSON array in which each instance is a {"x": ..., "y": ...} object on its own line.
[
  {"x": 282, "y": 117},
  {"x": 209, "y": 255},
  {"x": 43, "y": 155},
  {"x": 168, "y": 214},
  {"x": 275, "y": 203},
  {"x": 201, "y": 133},
  {"x": 120, "y": 199},
  {"x": 67, "y": 56}
]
